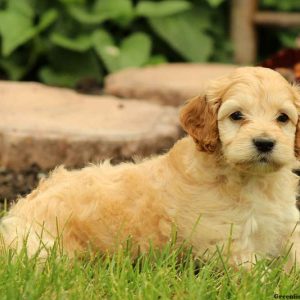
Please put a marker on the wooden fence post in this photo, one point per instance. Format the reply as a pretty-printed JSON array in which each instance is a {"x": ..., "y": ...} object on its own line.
[{"x": 243, "y": 33}]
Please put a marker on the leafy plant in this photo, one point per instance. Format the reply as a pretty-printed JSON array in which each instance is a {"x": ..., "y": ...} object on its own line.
[
  {"x": 185, "y": 34},
  {"x": 286, "y": 5},
  {"x": 62, "y": 42},
  {"x": 281, "y": 38},
  {"x": 134, "y": 50}
]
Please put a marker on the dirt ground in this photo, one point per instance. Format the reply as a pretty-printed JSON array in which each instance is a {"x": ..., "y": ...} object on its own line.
[{"x": 14, "y": 184}]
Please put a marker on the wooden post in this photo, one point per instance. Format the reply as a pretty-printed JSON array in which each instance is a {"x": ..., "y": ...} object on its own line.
[
  {"x": 243, "y": 33},
  {"x": 280, "y": 19}
]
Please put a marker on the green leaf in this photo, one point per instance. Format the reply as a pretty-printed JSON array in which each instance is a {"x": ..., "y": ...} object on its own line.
[
  {"x": 70, "y": 2},
  {"x": 291, "y": 5},
  {"x": 157, "y": 60},
  {"x": 133, "y": 52},
  {"x": 47, "y": 19},
  {"x": 288, "y": 39},
  {"x": 106, "y": 50},
  {"x": 161, "y": 9},
  {"x": 13, "y": 69},
  {"x": 21, "y": 7},
  {"x": 58, "y": 78},
  {"x": 21, "y": 62},
  {"x": 114, "y": 9},
  {"x": 119, "y": 10},
  {"x": 184, "y": 33},
  {"x": 21, "y": 29},
  {"x": 80, "y": 43},
  {"x": 81, "y": 15},
  {"x": 67, "y": 68},
  {"x": 286, "y": 5},
  {"x": 214, "y": 3}
]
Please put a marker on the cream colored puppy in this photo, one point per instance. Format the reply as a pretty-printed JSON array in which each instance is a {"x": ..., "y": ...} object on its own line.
[{"x": 230, "y": 178}]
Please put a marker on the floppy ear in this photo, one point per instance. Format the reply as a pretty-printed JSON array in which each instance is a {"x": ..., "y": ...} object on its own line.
[
  {"x": 296, "y": 91},
  {"x": 199, "y": 119}
]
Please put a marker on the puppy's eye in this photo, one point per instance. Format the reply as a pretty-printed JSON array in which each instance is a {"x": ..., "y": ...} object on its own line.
[
  {"x": 282, "y": 118},
  {"x": 237, "y": 116}
]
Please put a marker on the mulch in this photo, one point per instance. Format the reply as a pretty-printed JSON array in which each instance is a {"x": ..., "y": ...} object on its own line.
[{"x": 15, "y": 184}]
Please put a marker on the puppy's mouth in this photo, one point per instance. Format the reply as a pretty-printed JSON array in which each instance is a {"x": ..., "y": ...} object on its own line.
[
  {"x": 265, "y": 159},
  {"x": 260, "y": 164},
  {"x": 259, "y": 159}
]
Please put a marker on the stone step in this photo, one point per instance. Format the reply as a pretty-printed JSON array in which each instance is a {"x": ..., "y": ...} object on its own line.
[
  {"x": 169, "y": 84},
  {"x": 47, "y": 126}
]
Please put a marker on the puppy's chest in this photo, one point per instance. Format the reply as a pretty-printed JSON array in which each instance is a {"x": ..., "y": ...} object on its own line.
[{"x": 263, "y": 220}]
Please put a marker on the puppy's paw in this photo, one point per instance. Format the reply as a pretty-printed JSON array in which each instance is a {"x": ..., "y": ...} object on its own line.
[{"x": 244, "y": 260}]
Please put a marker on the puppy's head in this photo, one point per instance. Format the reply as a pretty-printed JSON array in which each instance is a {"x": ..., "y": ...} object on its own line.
[{"x": 249, "y": 118}]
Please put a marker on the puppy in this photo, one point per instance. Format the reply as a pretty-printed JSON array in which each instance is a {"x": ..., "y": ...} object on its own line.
[{"x": 228, "y": 183}]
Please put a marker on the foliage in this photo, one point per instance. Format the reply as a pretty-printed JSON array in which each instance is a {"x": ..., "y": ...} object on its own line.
[
  {"x": 286, "y": 38},
  {"x": 286, "y": 5},
  {"x": 61, "y": 42}
]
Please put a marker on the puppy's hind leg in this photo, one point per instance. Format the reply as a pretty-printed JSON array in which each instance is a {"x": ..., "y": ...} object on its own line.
[{"x": 16, "y": 234}]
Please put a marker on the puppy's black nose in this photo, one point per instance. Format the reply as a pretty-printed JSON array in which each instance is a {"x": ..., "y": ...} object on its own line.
[{"x": 264, "y": 144}]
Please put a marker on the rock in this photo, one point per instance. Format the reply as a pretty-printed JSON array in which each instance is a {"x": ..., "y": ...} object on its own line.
[
  {"x": 46, "y": 126},
  {"x": 169, "y": 84}
]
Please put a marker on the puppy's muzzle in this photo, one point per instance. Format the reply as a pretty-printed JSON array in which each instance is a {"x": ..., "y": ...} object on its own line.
[{"x": 264, "y": 145}]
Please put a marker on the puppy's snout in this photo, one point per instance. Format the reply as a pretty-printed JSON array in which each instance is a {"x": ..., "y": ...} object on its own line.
[{"x": 264, "y": 144}]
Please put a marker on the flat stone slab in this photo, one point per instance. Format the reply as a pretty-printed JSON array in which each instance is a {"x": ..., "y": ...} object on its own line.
[
  {"x": 169, "y": 84},
  {"x": 48, "y": 126}
]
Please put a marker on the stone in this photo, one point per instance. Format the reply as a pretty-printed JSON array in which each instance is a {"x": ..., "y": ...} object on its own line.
[
  {"x": 168, "y": 84},
  {"x": 47, "y": 126}
]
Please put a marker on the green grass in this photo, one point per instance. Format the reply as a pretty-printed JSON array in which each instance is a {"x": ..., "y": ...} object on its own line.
[{"x": 157, "y": 275}]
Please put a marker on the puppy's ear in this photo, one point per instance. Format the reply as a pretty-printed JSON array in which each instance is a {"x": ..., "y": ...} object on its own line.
[
  {"x": 199, "y": 119},
  {"x": 297, "y": 141},
  {"x": 296, "y": 91}
]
